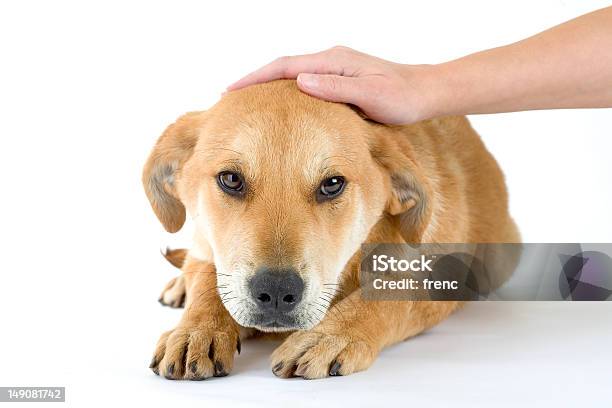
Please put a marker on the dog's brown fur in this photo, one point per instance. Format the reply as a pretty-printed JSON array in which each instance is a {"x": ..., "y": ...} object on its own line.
[{"x": 429, "y": 182}]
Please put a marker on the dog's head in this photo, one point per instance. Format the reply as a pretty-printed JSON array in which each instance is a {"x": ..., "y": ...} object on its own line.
[{"x": 283, "y": 188}]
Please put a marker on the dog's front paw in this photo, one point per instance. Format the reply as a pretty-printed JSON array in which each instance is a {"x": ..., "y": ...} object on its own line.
[
  {"x": 313, "y": 354},
  {"x": 174, "y": 293},
  {"x": 195, "y": 353}
]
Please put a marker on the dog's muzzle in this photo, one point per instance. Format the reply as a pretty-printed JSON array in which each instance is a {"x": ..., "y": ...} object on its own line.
[{"x": 276, "y": 292}]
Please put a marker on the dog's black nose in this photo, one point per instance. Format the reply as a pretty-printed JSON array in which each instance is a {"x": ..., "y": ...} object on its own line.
[{"x": 276, "y": 290}]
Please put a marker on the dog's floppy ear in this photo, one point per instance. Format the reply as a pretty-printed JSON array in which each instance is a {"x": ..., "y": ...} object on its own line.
[
  {"x": 409, "y": 198},
  {"x": 161, "y": 170}
]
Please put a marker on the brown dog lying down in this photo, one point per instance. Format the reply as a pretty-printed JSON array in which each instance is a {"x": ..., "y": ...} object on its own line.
[{"x": 283, "y": 189}]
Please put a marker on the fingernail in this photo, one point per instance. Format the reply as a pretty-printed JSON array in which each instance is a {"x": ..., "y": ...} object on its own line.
[{"x": 308, "y": 80}]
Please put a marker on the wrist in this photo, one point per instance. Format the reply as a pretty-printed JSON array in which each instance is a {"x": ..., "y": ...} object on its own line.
[
  {"x": 442, "y": 95},
  {"x": 429, "y": 92}
]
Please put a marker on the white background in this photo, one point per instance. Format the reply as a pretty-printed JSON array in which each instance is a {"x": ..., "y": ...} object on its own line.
[{"x": 86, "y": 88}]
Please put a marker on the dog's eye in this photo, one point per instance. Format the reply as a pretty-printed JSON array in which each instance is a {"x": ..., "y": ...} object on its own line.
[
  {"x": 330, "y": 188},
  {"x": 231, "y": 183}
]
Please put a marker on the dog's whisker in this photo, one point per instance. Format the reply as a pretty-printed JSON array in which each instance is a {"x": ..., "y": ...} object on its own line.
[
  {"x": 332, "y": 311},
  {"x": 326, "y": 296},
  {"x": 223, "y": 148},
  {"x": 329, "y": 296},
  {"x": 326, "y": 299},
  {"x": 332, "y": 290},
  {"x": 309, "y": 317},
  {"x": 319, "y": 309}
]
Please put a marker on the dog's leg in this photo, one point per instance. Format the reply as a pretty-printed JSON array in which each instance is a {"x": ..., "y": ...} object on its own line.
[
  {"x": 352, "y": 334},
  {"x": 204, "y": 342}
]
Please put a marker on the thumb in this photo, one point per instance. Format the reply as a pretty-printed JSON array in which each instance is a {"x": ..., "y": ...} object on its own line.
[{"x": 334, "y": 88}]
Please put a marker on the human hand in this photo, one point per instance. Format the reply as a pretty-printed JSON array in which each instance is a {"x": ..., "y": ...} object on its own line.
[{"x": 385, "y": 91}]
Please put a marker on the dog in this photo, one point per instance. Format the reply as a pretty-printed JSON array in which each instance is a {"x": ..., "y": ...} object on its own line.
[{"x": 283, "y": 189}]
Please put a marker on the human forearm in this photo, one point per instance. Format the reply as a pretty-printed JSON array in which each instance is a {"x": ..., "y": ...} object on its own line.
[{"x": 568, "y": 66}]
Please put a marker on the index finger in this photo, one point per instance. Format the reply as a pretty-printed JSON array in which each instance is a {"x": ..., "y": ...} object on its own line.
[{"x": 289, "y": 68}]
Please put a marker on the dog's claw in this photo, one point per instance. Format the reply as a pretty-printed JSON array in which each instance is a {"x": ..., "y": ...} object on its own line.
[
  {"x": 299, "y": 371},
  {"x": 194, "y": 367},
  {"x": 181, "y": 302},
  {"x": 277, "y": 368},
  {"x": 170, "y": 371},
  {"x": 238, "y": 346},
  {"x": 219, "y": 369},
  {"x": 335, "y": 369},
  {"x": 154, "y": 365},
  {"x": 153, "y": 362}
]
